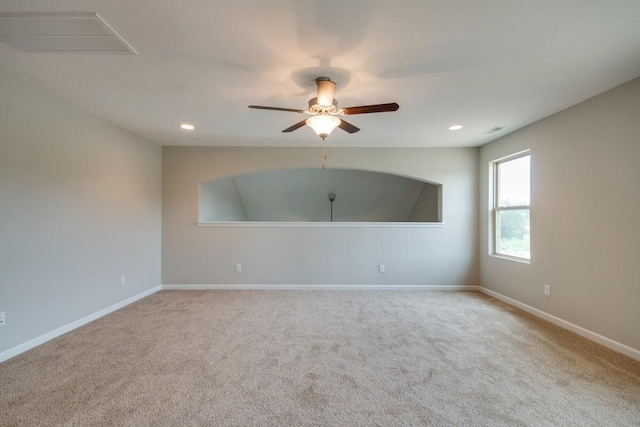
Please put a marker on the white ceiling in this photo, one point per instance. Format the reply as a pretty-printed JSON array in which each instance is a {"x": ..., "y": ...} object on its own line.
[{"x": 477, "y": 63}]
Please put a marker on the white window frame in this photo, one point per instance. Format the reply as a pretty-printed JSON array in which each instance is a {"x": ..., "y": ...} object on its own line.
[{"x": 496, "y": 208}]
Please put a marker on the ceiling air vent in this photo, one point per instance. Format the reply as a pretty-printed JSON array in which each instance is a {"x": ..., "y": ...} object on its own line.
[
  {"x": 61, "y": 33},
  {"x": 493, "y": 130}
]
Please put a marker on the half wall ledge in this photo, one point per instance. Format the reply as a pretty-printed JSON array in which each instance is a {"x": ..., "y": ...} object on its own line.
[{"x": 321, "y": 224}]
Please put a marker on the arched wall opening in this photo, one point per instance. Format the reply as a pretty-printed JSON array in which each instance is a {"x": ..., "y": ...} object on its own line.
[{"x": 302, "y": 196}]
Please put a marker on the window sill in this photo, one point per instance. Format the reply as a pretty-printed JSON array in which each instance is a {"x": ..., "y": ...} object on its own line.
[
  {"x": 511, "y": 258},
  {"x": 321, "y": 224}
]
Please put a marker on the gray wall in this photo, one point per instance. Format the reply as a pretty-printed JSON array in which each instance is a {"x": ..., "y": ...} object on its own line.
[
  {"x": 80, "y": 205},
  {"x": 426, "y": 207},
  {"x": 585, "y": 213},
  {"x": 319, "y": 255},
  {"x": 221, "y": 201}
]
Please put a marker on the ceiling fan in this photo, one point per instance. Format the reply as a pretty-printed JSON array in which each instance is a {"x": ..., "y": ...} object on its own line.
[{"x": 324, "y": 109}]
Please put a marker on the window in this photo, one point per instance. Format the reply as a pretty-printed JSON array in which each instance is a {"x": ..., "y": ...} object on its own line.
[{"x": 511, "y": 212}]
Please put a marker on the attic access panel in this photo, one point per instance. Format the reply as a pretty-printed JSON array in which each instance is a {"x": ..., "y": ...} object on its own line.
[{"x": 61, "y": 33}]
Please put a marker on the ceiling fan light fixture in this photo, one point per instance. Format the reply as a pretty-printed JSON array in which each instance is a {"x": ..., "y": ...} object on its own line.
[
  {"x": 326, "y": 90},
  {"x": 323, "y": 124},
  {"x": 323, "y": 109}
]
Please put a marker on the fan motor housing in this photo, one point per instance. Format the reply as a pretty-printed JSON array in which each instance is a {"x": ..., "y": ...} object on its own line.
[{"x": 315, "y": 108}]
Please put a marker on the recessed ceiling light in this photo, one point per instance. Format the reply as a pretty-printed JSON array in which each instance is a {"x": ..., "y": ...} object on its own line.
[
  {"x": 187, "y": 126},
  {"x": 455, "y": 127}
]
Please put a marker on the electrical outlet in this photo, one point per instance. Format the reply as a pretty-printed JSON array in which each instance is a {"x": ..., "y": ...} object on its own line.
[
  {"x": 3, "y": 319},
  {"x": 123, "y": 280},
  {"x": 547, "y": 290},
  {"x": 238, "y": 268},
  {"x": 381, "y": 268}
]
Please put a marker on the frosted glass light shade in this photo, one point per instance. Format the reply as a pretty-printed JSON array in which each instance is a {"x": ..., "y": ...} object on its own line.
[{"x": 323, "y": 124}]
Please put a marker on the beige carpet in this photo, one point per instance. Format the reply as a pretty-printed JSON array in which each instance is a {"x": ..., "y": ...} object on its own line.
[{"x": 320, "y": 358}]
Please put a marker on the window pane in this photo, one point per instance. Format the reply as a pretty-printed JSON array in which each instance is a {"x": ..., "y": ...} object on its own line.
[
  {"x": 513, "y": 233},
  {"x": 513, "y": 182}
]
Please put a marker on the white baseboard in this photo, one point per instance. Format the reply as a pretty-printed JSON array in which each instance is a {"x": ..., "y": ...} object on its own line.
[
  {"x": 607, "y": 342},
  {"x": 21, "y": 348},
  {"x": 253, "y": 287}
]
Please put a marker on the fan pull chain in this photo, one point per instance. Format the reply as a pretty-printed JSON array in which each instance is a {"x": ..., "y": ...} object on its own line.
[{"x": 324, "y": 155}]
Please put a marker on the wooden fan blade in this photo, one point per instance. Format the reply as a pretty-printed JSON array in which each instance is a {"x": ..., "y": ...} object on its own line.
[
  {"x": 365, "y": 109},
  {"x": 296, "y": 126},
  {"x": 291, "y": 110},
  {"x": 348, "y": 127}
]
